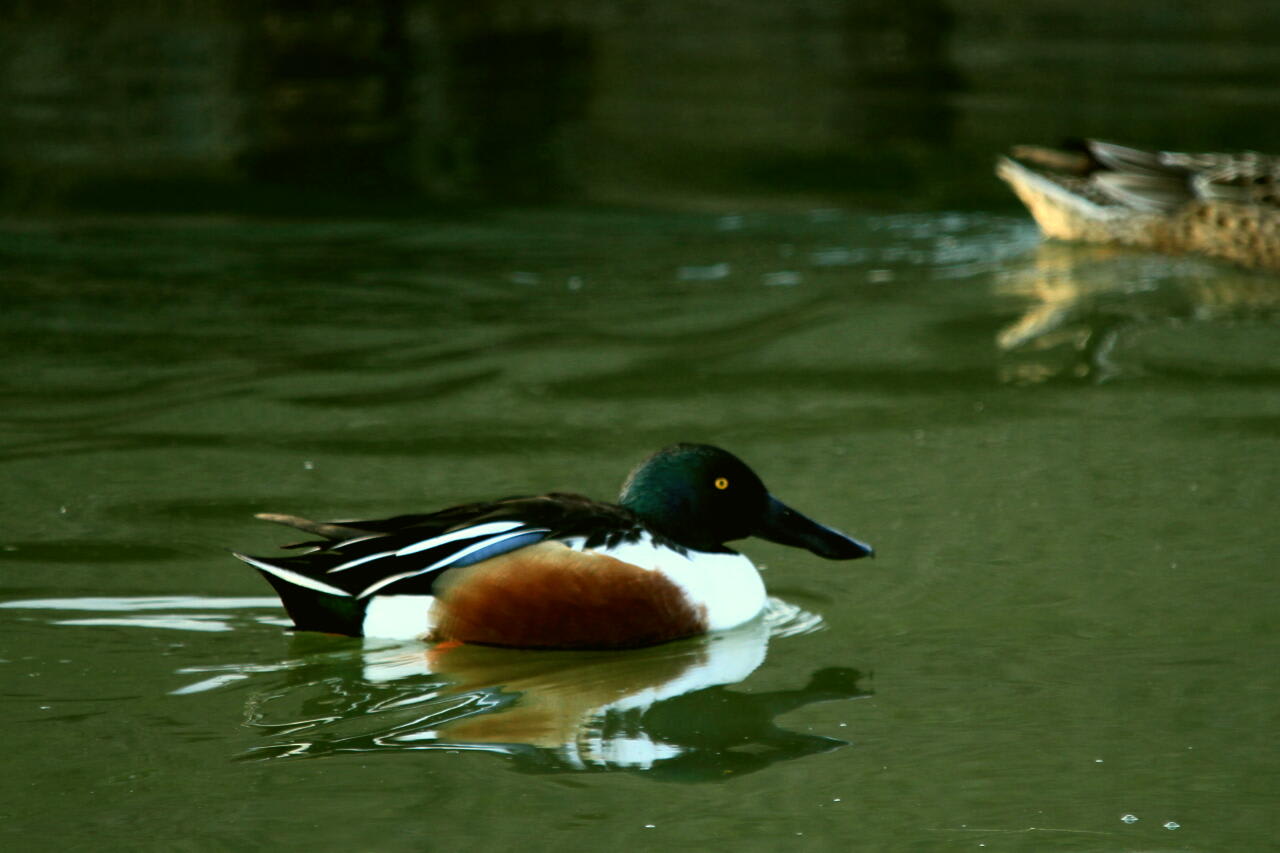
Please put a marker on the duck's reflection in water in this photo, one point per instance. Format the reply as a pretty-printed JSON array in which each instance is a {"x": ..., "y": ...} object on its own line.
[
  {"x": 668, "y": 710},
  {"x": 1080, "y": 303}
]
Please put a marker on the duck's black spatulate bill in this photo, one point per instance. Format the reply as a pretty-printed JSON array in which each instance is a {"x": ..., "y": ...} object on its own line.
[{"x": 784, "y": 525}]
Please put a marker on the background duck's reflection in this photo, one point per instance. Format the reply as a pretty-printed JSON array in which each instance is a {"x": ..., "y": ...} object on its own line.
[{"x": 1096, "y": 313}]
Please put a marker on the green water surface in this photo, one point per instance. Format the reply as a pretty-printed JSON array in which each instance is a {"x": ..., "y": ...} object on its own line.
[{"x": 1066, "y": 458}]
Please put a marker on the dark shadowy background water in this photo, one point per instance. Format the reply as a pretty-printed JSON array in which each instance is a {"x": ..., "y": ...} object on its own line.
[
  {"x": 398, "y": 105},
  {"x": 361, "y": 260}
]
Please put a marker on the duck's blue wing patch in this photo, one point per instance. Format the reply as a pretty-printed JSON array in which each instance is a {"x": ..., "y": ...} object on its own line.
[{"x": 482, "y": 551}]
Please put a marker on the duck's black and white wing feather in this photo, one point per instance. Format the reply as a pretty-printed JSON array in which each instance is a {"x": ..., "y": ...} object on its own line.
[{"x": 330, "y": 586}]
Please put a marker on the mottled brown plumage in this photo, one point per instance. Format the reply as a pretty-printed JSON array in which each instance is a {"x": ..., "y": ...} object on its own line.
[{"x": 1225, "y": 206}]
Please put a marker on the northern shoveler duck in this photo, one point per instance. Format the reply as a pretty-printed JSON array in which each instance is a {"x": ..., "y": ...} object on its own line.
[
  {"x": 1222, "y": 205},
  {"x": 555, "y": 570}
]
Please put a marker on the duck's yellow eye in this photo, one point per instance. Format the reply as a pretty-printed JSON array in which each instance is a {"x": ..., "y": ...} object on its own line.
[{"x": 722, "y": 483}]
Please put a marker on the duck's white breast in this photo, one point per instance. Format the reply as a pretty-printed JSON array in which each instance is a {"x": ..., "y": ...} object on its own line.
[{"x": 728, "y": 585}]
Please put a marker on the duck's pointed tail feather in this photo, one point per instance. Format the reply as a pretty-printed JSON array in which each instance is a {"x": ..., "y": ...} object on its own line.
[
  {"x": 312, "y": 604},
  {"x": 327, "y": 529}
]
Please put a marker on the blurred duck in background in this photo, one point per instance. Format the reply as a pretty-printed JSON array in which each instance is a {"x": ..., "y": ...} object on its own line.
[{"x": 1225, "y": 206}]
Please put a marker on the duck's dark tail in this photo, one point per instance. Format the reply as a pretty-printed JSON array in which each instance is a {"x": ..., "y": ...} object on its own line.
[{"x": 312, "y": 604}]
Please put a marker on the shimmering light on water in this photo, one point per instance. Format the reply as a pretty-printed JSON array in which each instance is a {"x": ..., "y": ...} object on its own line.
[
  {"x": 1065, "y": 456},
  {"x": 1046, "y": 445}
]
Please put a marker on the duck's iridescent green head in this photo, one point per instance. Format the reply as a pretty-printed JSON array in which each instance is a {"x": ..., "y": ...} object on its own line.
[{"x": 702, "y": 497}]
